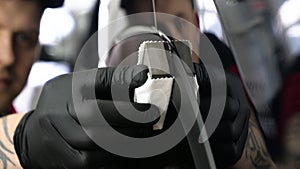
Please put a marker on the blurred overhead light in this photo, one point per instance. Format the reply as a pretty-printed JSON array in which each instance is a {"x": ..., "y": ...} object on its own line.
[
  {"x": 55, "y": 25},
  {"x": 290, "y": 13},
  {"x": 80, "y": 5}
]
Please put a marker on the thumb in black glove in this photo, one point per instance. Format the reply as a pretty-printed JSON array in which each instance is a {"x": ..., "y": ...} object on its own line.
[
  {"x": 229, "y": 138},
  {"x": 52, "y": 137}
]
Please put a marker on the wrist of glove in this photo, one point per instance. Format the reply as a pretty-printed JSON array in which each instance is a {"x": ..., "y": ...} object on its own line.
[
  {"x": 18, "y": 141},
  {"x": 52, "y": 137},
  {"x": 229, "y": 139}
]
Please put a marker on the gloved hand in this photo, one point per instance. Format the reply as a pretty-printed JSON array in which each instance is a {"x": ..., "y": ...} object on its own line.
[
  {"x": 229, "y": 138},
  {"x": 51, "y": 136}
]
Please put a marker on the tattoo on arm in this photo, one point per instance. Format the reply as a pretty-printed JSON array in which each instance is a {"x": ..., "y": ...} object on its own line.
[
  {"x": 256, "y": 151},
  {"x": 4, "y": 150}
]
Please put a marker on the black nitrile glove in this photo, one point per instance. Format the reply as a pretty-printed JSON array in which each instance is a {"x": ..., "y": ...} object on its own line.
[
  {"x": 51, "y": 136},
  {"x": 229, "y": 138}
]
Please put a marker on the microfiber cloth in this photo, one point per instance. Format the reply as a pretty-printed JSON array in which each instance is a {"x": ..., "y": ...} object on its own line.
[{"x": 157, "y": 89}]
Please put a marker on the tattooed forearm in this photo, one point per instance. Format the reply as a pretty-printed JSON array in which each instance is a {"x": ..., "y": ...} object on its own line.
[
  {"x": 256, "y": 150},
  {"x": 4, "y": 124},
  {"x": 4, "y": 150},
  {"x": 255, "y": 155}
]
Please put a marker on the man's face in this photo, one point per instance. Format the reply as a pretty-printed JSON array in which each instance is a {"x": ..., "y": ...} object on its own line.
[
  {"x": 180, "y": 8},
  {"x": 19, "y": 30},
  {"x": 184, "y": 25},
  {"x": 179, "y": 21}
]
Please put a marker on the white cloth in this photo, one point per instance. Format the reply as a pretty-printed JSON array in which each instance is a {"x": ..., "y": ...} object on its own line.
[{"x": 156, "y": 91}]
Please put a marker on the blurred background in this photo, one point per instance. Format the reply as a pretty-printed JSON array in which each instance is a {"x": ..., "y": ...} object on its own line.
[{"x": 64, "y": 31}]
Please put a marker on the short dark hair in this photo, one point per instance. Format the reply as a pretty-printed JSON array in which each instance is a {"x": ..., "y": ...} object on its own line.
[
  {"x": 51, "y": 3},
  {"x": 130, "y": 7},
  {"x": 192, "y": 3}
]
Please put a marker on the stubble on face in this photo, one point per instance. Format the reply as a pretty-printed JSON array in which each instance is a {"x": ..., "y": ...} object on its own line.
[{"x": 19, "y": 30}]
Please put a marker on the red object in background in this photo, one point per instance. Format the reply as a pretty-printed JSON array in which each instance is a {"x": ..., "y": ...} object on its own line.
[
  {"x": 258, "y": 5},
  {"x": 234, "y": 69},
  {"x": 290, "y": 100},
  {"x": 12, "y": 110}
]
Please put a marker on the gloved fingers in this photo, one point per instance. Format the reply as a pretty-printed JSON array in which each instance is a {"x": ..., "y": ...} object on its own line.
[
  {"x": 201, "y": 74},
  {"x": 129, "y": 114},
  {"x": 223, "y": 132},
  {"x": 236, "y": 91},
  {"x": 241, "y": 141},
  {"x": 128, "y": 77},
  {"x": 230, "y": 130},
  {"x": 240, "y": 124},
  {"x": 228, "y": 153},
  {"x": 232, "y": 108},
  {"x": 95, "y": 159},
  {"x": 233, "y": 150},
  {"x": 56, "y": 143},
  {"x": 71, "y": 130},
  {"x": 141, "y": 132},
  {"x": 142, "y": 112},
  {"x": 225, "y": 154},
  {"x": 235, "y": 87}
]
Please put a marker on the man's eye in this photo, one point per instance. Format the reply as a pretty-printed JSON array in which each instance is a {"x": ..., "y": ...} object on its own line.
[{"x": 25, "y": 40}]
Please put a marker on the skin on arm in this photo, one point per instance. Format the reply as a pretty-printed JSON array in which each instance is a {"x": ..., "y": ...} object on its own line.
[
  {"x": 255, "y": 155},
  {"x": 8, "y": 156}
]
